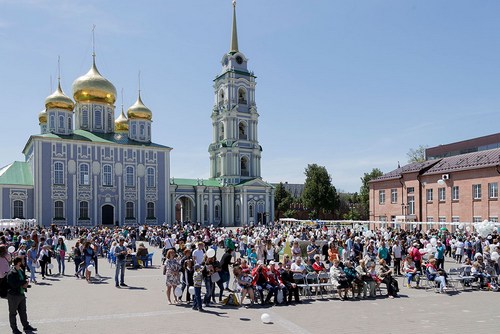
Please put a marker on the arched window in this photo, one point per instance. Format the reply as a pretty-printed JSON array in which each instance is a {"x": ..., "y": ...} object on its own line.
[
  {"x": 242, "y": 130},
  {"x": 58, "y": 210},
  {"x": 134, "y": 129},
  {"x": 218, "y": 168},
  {"x": 141, "y": 130},
  {"x": 58, "y": 173},
  {"x": 242, "y": 95},
  {"x": 217, "y": 212},
  {"x": 52, "y": 123},
  {"x": 70, "y": 126},
  {"x": 85, "y": 118},
  {"x": 18, "y": 209},
  {"x": 221, "y": 96},
  {"x": 84, "y": 175},
  {"x": 84, "y": 210},
  {"x": 110, "y": 121},
  {"x": 129, "y": 210},
  {"x": 98, "y": 119},
  {"x": 244, "y": 166},
  {"x": 150, "y": 210},
  {"x": 107, "y": 176},
  {"x": 129, "y": 176},
  {"x": 250, "y": 210},
  {"x": 221, "y": 131},
  {"x": 61, "y": 122},
  {"x": 151, "y": 177}
]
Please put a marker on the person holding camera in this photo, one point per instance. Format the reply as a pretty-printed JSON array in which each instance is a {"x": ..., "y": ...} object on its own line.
[{"x": 16, "y": 297}]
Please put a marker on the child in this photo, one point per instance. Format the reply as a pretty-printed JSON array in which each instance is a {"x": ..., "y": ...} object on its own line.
[{"x": 197, "y": 283}]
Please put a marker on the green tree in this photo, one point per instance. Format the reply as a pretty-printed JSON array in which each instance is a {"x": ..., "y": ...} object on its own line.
[
  {"x": 282, "y": 200},
  {"x": 416, "y": 154},
  {"x": 319, "y": 193},
  {"x": 364, "y": 192}
]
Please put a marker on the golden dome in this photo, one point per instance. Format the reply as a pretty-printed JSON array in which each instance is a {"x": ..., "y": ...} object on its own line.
[
  {"x": 121, "y": 123},
  {"x": 59, "y": 100},
  {"x": 42, "y": 117},
  {"x": 94, "y": 87},
  {"x": 139, "y": 111}
]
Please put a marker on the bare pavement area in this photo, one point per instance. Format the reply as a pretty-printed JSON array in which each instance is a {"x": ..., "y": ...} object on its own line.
[{"x": 70, "y": 305}]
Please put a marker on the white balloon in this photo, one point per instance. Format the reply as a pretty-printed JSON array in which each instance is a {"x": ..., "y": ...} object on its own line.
[
  {"x": 433, "y": 241},
  {"x": 11, "y": 249},
  {"x": 178, "y": 291},
  {"x": 90, "y": 267},
  {"x": 266, "y": 318},
  {"x": 467, "y": 228},
  {"x": 191, "y": 290},
  {"x": 428, "y": 246},
  {"x": 461, "y": 226},
  {"x": 495, "y": 256},
  {"x": 211, "y": 252},
  {"x": 50, "y": 266},
  {"x": 422, "y": 251}
]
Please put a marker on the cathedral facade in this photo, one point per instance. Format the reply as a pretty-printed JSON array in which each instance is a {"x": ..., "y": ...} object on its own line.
[{"x": 87, "y": 168}]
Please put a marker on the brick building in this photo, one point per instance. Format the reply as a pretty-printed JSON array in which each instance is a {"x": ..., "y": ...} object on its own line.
[{"x": 458, "y": 188}]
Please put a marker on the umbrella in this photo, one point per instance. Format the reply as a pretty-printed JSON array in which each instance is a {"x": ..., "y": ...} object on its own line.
[{"x": 443, "y": 229}]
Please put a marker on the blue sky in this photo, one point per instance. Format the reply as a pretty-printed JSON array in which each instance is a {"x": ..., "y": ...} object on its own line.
[{"x": 350, "y": 85}]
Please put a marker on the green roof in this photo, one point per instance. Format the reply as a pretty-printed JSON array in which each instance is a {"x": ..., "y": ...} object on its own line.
[
  {"x": 195, "y": 182},
  {"x": 17, "y": 173},
  {"x": 115, "y": 138}
]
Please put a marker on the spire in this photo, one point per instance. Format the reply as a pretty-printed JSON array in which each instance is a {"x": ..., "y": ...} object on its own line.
[
  {"x": 93, "y": 45},
  {"x": 234, "y": 34}
]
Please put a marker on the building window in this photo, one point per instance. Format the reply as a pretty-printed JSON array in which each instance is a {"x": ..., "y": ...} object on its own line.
[
  {"x": 107, "y": 176},
  {"x": 430, "y": 195},
  {"x": 476, "y": 219},
  {"x": 98, "y": 119},
  {"x": 244, "y": 166},
  {"x": 52, "y": 122},
  {"x": 61, "y": 122},
  {"x": 221, "y": 131},
  {"x": 84, "y": 210},
  {"x": 394, "y": 196},
  {"x": 381, "y": 197},
  {"x": 410, "y": 190},
  {"x": 141, "y": 130},
  {"x": 493, "y": 190},
  {"x": 382, "y": 218},
  {"x": 129, "y": 210},
  {"x": 18, "y": 209},
  {"x": 250, "y": 210},
  {"x": 85, "y": 119},
  {"x": 151, "y": 177},
  {"x": 237, "y": 212},
  {"x": 58, "y": 173},
  {"x": 58, "y": 210},
  {"x": 476, "y": 191},
  {"x": 455, "y": 193},
  {"x": 411, "y": 205},
  {"x": 242, "y": 128},
  {"x": 205, "y": 212},
  {"x": 150, "y": 210},
  {"x": 134, "y": 129},
  {"x": 217, "y": 212},
  {"x": 455, "y": 219},
  {"x": 493, "y": 219},
  {"x": 84, "y": 175},
  {"x": 129, "y": 176},
  {"x": 69, "y": 123},
  {"x": 442, "y": 219},
  {"x": 110, "y": 121},
  {"x": 430, "y": 219},
  {"x": 242, "y": 96},
  {"x": 442, "y": 194}
]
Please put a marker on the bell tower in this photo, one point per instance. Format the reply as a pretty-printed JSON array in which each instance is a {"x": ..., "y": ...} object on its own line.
[{"x": 235, "y": 152}]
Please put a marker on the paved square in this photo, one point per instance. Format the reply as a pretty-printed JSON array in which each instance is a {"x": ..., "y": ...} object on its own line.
[{"x": 71, "y": 305}]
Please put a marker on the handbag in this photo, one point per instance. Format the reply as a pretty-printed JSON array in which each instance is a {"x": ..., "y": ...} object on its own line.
[{"x": 215, "y": 277}]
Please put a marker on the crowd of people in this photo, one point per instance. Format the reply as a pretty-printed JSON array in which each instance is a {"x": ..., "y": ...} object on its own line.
[{"x": 272, "y": 264}]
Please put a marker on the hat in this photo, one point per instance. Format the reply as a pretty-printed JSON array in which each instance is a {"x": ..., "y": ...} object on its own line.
[{"x": 197, "y": 266}]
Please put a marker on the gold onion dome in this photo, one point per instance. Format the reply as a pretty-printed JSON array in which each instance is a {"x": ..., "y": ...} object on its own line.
[
  {"x": 121, "y": 123},
  {"x": 58, "y": 100},
  {"x": 94, "y": 87},
  {"x": 139, "y": 111},
  {"x": 42, "y": 117}
]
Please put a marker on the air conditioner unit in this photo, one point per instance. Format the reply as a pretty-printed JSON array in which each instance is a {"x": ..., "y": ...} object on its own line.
[{"x": 445, "y": 176}]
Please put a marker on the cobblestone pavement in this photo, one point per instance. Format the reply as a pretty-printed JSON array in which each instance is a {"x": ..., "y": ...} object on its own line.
[{"x": 70, "y": 305}]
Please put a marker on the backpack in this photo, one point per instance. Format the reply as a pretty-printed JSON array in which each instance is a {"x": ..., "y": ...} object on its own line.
[{"x": 4, "y": 287}]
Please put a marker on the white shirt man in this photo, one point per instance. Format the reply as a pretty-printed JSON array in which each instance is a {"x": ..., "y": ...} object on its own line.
[{"x": 199, "y": 253}]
